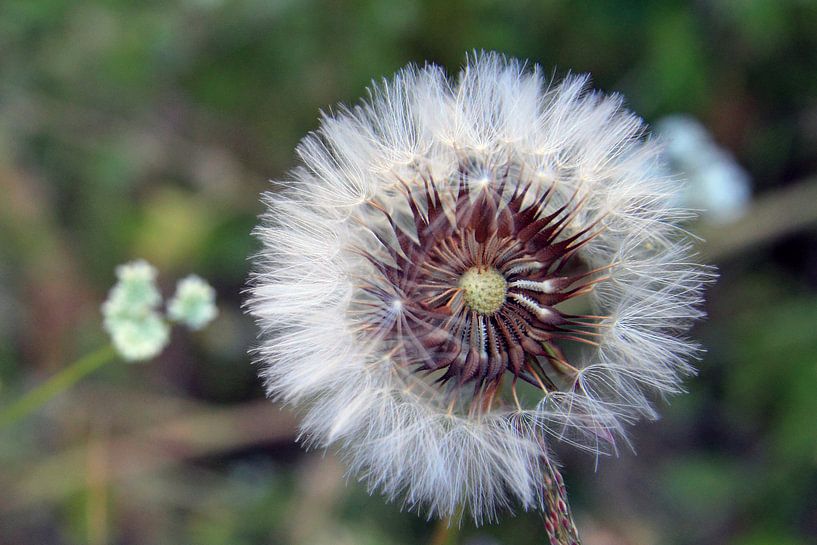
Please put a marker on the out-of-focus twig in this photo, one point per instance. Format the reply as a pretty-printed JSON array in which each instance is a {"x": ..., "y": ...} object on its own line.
[
  {"x": 205, "y": 432},
  {"x": 96, "y": 509},
  {"x": 771, "y": 216}
]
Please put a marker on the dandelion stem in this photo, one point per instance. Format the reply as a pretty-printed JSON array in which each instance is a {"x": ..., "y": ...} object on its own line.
[
  {"x": 55, "y": 385},
  {"x": 445, "y": 532},
  {"x": 557, "y": 515}
]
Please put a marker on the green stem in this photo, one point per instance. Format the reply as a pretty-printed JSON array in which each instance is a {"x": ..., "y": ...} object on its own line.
[{"x": 57, "y": 384}]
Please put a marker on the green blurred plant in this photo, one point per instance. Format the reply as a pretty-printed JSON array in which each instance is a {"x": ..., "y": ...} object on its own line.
[{"x": 137, "y": 328}]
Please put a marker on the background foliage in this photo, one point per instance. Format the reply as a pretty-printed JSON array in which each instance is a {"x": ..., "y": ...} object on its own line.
[{"x": 148, "y": 129}]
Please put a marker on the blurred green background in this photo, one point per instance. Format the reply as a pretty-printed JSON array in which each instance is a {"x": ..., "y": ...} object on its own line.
[{"x": 148, "y": 129}]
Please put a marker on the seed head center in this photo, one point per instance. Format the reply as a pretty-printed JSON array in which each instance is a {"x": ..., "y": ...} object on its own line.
[{"x": 483, "y": 289}]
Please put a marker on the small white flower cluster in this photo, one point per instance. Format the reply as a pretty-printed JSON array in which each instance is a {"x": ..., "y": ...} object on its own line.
[
  {"x": 716, "y": 183},
  {"x": 194, "y": 303},
  {"x": 132, "y": 314}
]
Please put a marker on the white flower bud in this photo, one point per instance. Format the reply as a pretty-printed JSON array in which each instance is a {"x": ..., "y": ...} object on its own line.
[
  {"x": 193, "y": 304},
  {"x": 137, "y": 329},
  {"x": 141, "y": 338}
]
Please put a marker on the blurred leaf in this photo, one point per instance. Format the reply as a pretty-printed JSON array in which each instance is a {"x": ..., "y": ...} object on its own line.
[
  {"x": 769, "y": 536},
  {"x": 703, "y": 486},
  {"x": 174, "y": 228}
]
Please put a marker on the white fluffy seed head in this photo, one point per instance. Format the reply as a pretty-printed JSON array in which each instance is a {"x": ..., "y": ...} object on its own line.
[{"x": 339, "y": 330}]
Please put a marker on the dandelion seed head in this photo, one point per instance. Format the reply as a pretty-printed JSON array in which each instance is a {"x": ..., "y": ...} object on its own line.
[
  {"x": 461, "y": 270},
  {"x": 717, "y": 184}
]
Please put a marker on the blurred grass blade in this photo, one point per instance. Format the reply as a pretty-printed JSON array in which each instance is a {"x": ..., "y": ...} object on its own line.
[{"x": 57, "y": 384}]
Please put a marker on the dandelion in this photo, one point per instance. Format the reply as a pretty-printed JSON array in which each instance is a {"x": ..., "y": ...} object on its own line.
[
  {"x": 461, "y": 271},
  {"x": 716, "y": 183}
]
